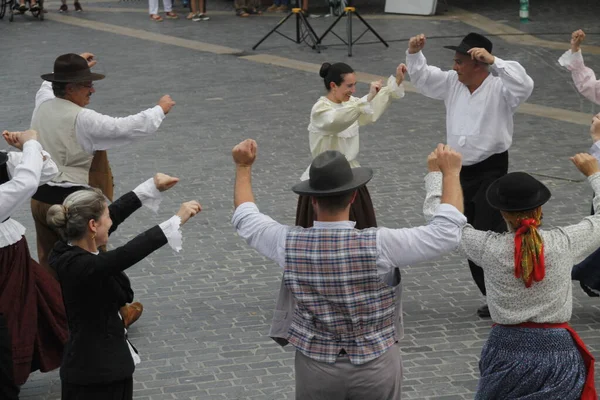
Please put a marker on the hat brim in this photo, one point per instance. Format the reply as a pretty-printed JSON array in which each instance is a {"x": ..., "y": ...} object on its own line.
[
  {"x": 3, "y": 157},
  {"x": 541, "y": 198},
  {"x": 361, "y": 175},
  {"x": 459, "y": 49},
  {"x": 91, "y": 77}
]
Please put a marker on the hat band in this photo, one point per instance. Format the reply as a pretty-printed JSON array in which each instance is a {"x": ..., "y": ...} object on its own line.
[{"x": 72, "y": 74}]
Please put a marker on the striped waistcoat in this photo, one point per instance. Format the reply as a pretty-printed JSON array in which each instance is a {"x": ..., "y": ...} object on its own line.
[{"x": 341, "y": 301}]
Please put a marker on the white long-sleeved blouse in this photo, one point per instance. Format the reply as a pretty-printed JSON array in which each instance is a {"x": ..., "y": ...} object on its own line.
[{"x": 334, "y": 126}]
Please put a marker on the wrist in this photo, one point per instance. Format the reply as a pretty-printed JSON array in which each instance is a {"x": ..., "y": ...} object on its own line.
[{"x": 241, "y": 166}]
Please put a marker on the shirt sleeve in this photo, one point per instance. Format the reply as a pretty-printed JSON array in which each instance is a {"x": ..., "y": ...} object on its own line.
[
  {"x": 433, "y": 196},
  {"x": 584, "y": 237},
  {"x": 517, "y": 85},
  {"x": 44, "y": 93},
  {"x": 172, "y": 230},
  {"x": 148, "y": 194},
  {"x": 400, "y": 247},
  {"x": 595, "y": 150},
  {"x": 96, "y": 131},
  {"x": 333, "y": 120},
  {"x": 583, "y": 77},
  {"x": 49, "y": 168},
  {"x": 429, "y": 81},
  {"x": 25, "y": 180},
  {"x": 382, "y": 100},
  {"x": 261, "y": 232}
]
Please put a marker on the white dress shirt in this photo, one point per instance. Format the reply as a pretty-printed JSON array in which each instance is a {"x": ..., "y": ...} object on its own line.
[
  {"x": 334, "y": 126},
  {"x": 27, "y": 170},
  {"x": 478, "y": 124},
  {"x": 396, "y": 247},
  {"x": 95, "y": 131},
  {"x": 510, "y": 302}
]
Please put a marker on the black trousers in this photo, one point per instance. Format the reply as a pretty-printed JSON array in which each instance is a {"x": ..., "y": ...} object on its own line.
[
  {"x": 475, "y": 180},
  {"x": 8, "y": 389},
  {"x": 120, "y": 390}
]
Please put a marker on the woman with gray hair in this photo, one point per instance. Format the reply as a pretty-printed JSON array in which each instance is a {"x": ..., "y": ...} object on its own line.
[{"x": 99, "y": 360}]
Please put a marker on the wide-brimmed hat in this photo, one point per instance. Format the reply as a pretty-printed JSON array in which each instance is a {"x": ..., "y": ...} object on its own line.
[
  {"x": 330, "y": 174},
  {"x": 517, "y": 191},
  {"x": 71, "y": 68},
  {"x": 470, "y": 41}
]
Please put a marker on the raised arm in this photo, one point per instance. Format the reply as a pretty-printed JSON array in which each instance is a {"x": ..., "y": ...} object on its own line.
[
  {"x": 429, "y": 81},
  {"x": 261, "y": 232},
  {"x": 384, "y": 96},
  {"x": 583, "y": 77},
  {"x": 96, "y": 131},
  {"x": 517, "y": 84},
  {"x": 146, "y": 194},
  {"x": 25, "y": 176}
]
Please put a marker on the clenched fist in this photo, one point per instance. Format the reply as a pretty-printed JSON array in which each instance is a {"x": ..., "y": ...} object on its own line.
[
  {"x": 164, "y": 182},
  {"x": 577, "y": 38},
  {"x": 244, "y": 153},
  {"x": 416, "y": 43},
  {"x": 586, "y": 163},
  {"x": 166, "y": 103},
  {"x": 188, "y": 210}
]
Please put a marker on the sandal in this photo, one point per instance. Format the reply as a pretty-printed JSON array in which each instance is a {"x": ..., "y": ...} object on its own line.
[
  {"x": 171, "y": 15},
  {"x": 240, "y": 12},
  {"x": 22, "y": 8},
  {"x": 156, "y": 18},
  {"x": 190, "y": 15},
  {"x": 254, "y": 11}
]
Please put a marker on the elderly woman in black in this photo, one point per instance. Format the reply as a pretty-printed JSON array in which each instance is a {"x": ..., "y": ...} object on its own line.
[{"x": 98, "y": 360}]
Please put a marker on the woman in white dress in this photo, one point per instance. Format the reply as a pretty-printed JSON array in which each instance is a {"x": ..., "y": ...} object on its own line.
[{"x": 334, "y": 125}]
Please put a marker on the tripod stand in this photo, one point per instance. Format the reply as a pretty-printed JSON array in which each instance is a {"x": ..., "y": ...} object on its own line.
[
  {"x": 348, "y": 13},
  {"x": 301, "y": 22}
]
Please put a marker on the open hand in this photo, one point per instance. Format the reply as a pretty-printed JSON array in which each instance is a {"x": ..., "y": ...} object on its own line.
[
  {"x": 188, "y": 210},
  {"x": 481, "y": 55},
  {"x": 416, "y": 43},
  {"x": 577, "y": 38},
  {"x": 586, "y": 163},
  {"x": 164, "y": 182}
]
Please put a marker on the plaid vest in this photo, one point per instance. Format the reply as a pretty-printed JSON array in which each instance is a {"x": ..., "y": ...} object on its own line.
[{"x": 341, "y": 301}]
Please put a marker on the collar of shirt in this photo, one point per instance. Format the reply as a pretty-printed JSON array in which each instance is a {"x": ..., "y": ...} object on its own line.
[{"x": 334, "y": 225}]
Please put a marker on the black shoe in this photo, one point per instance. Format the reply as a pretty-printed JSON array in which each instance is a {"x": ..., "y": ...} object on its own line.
[
  {"x": 77, "y": 6},
  {"x": 483, "y": 311}
]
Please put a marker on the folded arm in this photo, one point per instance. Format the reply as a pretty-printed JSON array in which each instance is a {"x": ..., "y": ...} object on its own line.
[
  {"x": 25, "y": 179},
  {"x": 517, "y": 84}
]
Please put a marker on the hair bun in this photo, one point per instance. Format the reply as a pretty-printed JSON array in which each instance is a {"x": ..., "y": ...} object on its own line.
[
  {"x": 57, "y": 216},
  {"x": 324, "y": 69}
]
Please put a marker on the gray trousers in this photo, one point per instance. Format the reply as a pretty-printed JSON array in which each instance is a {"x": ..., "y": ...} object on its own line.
[{"x": 380, "y": 379}]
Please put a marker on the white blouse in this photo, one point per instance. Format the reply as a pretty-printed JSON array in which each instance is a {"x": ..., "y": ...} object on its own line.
[
  {"x": 510, "y": 302},
  {"x": 27, "y": 171},
  {"x": 334, "y": 126}
]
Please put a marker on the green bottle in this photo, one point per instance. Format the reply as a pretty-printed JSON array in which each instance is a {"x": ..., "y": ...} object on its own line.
[{"x": 524, "y": 11}]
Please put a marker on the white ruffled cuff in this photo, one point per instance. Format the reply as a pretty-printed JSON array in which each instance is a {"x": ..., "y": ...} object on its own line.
[
  {"x": 171, "y": 229},
  {"x": 149, "y": 195},
  {"x": 568, "y": 59},
  {"x": 397, "y": 90}
]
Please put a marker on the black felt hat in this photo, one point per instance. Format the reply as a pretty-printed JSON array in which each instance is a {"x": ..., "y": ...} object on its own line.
[
  {"x": 330, "y": 174},
  {"x": 470, "y": 41},
  {"x": 517, "y": 191},
  {"x": 71, "y": 68}
]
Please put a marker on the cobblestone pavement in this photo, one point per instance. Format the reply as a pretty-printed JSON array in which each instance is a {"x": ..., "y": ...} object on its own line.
[{"x": 203, "y": 334}]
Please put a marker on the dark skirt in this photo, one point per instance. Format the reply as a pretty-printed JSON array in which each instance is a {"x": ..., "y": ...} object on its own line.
[
  {"x": 8, "y": 389},
  {"x": 361, "y": 211},
  {"x": 120, "y": 390},
  {"x": 31, "y": 301},
  {"x": 530, "y": 363}
]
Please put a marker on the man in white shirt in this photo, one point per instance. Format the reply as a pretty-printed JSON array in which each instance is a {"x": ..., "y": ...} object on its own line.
[
  {"x": 479, "y": 120},
  {"x": 345, "y": 316},
  {"x": 72, "y": 134}
]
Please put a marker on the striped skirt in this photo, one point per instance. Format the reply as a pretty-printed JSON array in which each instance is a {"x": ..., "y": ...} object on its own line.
[{"x": 530, "y": 363}]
